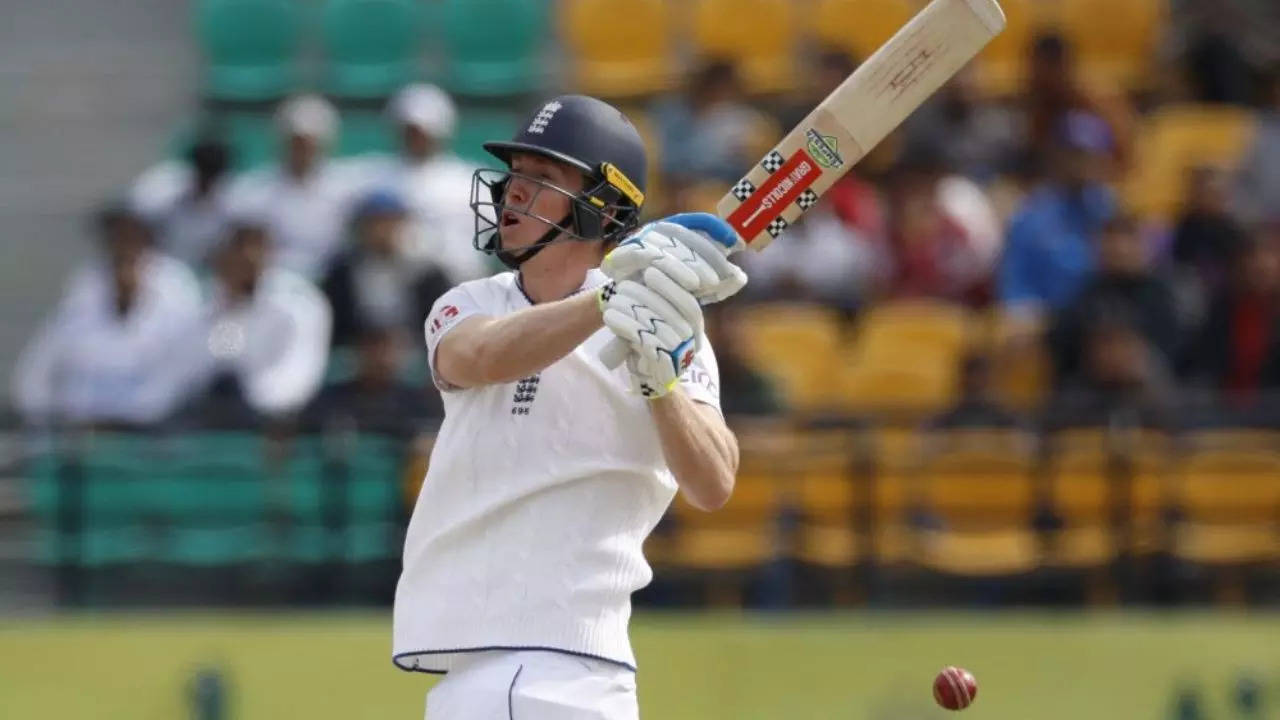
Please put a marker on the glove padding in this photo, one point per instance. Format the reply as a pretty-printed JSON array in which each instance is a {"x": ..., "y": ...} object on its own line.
[
  {"x": 689, "y": 258},
  {"x": 661, "y": 324}
]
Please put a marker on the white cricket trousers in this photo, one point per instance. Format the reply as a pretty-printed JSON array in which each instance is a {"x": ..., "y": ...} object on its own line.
[{"x": 533, "y": 685}]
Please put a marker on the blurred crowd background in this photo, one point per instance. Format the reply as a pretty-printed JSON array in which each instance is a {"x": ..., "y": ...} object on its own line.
[{"x": 1027, "y": 351}]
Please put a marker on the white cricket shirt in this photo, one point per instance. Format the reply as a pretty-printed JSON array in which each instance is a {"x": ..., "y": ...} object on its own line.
[{"x": 528, "y": 530}]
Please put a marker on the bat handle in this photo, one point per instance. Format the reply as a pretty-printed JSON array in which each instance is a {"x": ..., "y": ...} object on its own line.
[{"x": 614, "y": 353}]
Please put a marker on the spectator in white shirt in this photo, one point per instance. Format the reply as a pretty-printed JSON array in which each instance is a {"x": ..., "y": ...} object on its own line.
[
  {"x": 264, "y": 340},
  {"x": 104, "y": 356},
  {"x": 306, "y": 198},
  {"x": 187, "y": 201},
  {"x": 434, "y": 183}
]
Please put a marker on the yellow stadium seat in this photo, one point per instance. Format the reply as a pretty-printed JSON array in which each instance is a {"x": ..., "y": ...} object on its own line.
[
  {"x": 1020, "y": 369},
  {"x": 617, "y": 59},
  {"x": 1089, "y": 475},
  {"x": 758, "y": 35},
  {"x": 980, "y": 492},
  {"x": 904, "y": 384},
  {"x": 1119, "y": 50},
  {"x": 906, "y": 357},
  {"x": 858, "y": 27},
  {"x": 927, "y": 326},
  {"x": 895, "y": 457},
  {"x": 828, "y": 495},
  {"x": 1230, "y": 500},
  {"x": 1002, "y": 65},
  {"x": 744, "y": 533},
  {"x": 800, "y": 346},
  {"x": 1176, "y": 139}
]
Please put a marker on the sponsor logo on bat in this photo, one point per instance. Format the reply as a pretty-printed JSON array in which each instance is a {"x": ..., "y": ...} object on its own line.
[
  {"x": 823, "y": 149},
  {"x": 771, "y": 198}
]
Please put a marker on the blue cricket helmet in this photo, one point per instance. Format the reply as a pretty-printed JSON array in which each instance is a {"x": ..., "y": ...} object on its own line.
[{"x": 588, "y": 134}]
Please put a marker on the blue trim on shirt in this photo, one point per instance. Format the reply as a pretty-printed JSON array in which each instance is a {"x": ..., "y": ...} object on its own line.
[{"x": 395, "y": 659}]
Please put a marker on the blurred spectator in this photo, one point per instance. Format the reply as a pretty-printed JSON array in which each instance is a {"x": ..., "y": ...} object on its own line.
[
  {"x": 1054, "y": 93},
  {"x": 743, "y": 390},
  {"x": 1258, "y": 185},
  {"x": 304, "y": 200},
  {"x": 978, "y": 138},
  {"x": 932, "y": 255},
  {"x": 104, "y": 357},
  {"x": 1205, "y": 240},
  {"x": 377, "y": 399},
  {"x": 434, "y": 183},
  {"x": 1124, "y": 284},
  {"x": 187, "y": 201},
  {"x": 977, "y": 406},
  {"x": 1207, "y": 236},
  {"x": 1121, "y": 381},
  {"x": 710, "y": 132},
  {"x": 826, "y": 261},
  {"x": 1223, "y": 44},
  {"x": 374, "y": 284},
  {"x": 263, "y": 344},
  {"x": 1049, "y": 247},
  {"x": 1238, "y": 349}
]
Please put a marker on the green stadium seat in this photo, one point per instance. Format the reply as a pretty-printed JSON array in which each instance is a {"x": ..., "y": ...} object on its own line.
[
  {"x": 477, "y": 127},
  {"x": 250, "y": 47},
  {"x": 493, "y": 48},
  {"x": 253, "y": 139},
  {"x": 213, "y": 546},
  {"x": 372, "y": 46},
  {"x": 372, "y": 466},
  {"x": 364, "y": 132}
]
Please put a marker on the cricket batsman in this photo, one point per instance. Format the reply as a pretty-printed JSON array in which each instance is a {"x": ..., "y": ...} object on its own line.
[{"x": 550, "y": 468}]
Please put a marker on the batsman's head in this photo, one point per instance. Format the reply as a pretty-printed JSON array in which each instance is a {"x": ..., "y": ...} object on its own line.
[{"x": 574, "y": 172}]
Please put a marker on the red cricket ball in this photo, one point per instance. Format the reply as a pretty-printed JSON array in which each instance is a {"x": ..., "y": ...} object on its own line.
[{"x": 955, "y": 688}]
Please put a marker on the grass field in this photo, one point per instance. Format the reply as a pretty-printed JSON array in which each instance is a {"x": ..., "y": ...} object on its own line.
[{"x": 704, "y": 667}]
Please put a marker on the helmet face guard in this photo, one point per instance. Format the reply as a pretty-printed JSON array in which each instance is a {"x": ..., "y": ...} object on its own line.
[{"x": 605, "y": 211}]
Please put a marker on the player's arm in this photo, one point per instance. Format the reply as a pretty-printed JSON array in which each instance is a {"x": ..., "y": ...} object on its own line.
[
  {"x": 700, "y": 449},
  {"x": 484, "y": 350}
]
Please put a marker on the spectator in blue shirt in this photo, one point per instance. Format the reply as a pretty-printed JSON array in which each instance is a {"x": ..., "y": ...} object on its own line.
[{"x": 1049, "y": 250}]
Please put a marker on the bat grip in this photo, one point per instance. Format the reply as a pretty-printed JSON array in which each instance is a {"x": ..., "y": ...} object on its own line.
[{"x": 614, "y": 353}]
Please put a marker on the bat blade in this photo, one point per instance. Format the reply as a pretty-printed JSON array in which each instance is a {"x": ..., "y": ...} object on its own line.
[
  {"x": 852, "y": 120},
  {"x": 857, "y": 115}
]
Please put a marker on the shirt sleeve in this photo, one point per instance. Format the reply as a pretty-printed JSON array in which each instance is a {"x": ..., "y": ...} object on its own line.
[
  {"x": 450, "y": 309},
  {"x": 701, "y": 382}
]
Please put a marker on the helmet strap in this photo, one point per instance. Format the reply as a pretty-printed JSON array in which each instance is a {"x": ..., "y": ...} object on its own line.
[{"x": 515, "y": 258}]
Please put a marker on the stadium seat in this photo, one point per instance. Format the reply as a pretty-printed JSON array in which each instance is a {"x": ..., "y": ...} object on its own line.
[
  {"x": 905, "y": 357},
  {"x": 759, "y": 36},
  {"x": 1021, "y": 368},
  {"x": 895, "y": 457},
  {"x": 493, "y": 48},
  {"x": 1229, "y": 501},
  {"x": 253, "y": 139},
  {"x": 857, "y": 27},
  {"x": 364, "y": 132},
  {"x": 367, "y": 470},
  {"x": 1174, "y": 140},
  {"x": 371, "y": 46},
  {"x": 1002, "y": 65},
  {"x": 975, "y": 495},
  {"x": 799, "y": 345},
  {"x": 250, "y": 47},
  {"x": 476, "y": 127},
  {"x": 1088, "y": 473},
  {"x": 827, "y": 495},
  {"x": 619, "y": 59},
  {"x": 1118, "y": 51},
  {"x": 744, "y": 534}
]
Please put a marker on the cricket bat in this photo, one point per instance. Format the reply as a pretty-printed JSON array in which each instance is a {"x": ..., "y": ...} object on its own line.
[{"x": 851, "y": 121}]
